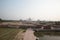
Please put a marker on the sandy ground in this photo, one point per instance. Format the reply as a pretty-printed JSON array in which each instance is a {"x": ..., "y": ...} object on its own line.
[{"x": 29, "y": 35}]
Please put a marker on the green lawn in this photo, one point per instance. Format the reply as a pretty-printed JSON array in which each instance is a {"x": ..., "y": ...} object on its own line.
[
  {"x": 42, "y": 33},
  {"x": 8, "y": 33}
]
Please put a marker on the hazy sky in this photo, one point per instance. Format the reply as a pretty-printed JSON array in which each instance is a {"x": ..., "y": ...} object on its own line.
[{"x": 34, "y": 9}]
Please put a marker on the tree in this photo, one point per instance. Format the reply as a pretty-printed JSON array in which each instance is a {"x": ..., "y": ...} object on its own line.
[
  {"x": 38, "y": 34},
  {"x": 29, "y": 19},
  {"x": 21, "y": 20},
  {"x": 57, "y": 23},
  {"x": 0, "y": 20}
]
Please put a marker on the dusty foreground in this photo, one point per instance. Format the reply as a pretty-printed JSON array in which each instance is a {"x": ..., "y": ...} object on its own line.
[
  {"x": 19, "y": 36},
  {"x": 29, "y": 35}
]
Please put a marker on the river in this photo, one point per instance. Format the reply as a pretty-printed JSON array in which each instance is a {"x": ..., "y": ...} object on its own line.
[{"x": 47, "y": 37}]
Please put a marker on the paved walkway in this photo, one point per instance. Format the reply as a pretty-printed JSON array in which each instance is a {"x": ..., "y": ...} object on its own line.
[{"x": 29, "y": 35}]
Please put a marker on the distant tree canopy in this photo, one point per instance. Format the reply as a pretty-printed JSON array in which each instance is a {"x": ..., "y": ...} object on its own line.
[
  {"x": 20, "y": 20},
  {"x": 57, "y": 23},
  {"x": 29, "y": 19},
  {"x": 0, "y": 20}
]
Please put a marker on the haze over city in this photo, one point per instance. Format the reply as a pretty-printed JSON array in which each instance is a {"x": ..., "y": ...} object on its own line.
[{"x": 34, "y": 9}]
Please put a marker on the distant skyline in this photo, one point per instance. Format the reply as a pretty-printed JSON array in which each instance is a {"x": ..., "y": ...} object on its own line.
[{"x": 35, "y": 9}]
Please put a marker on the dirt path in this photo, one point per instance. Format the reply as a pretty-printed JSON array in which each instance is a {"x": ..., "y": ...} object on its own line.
[
  {"x": 19, "y": 36},
  {"x": 29, "y": 35}
]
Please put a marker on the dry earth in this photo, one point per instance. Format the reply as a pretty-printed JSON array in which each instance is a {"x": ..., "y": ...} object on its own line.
[{"x": 19, "y": 36}]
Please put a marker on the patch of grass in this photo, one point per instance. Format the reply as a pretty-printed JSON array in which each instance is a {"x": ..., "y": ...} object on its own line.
[
  {"x": 40, "y": 33},
  {"x": 8, "y": 33}
]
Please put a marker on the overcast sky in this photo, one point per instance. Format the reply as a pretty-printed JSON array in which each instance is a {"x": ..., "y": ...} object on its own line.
[{"x": 34, "y": 9}]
